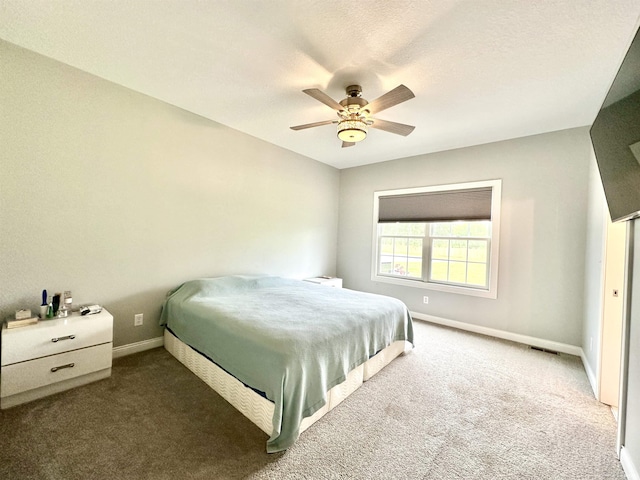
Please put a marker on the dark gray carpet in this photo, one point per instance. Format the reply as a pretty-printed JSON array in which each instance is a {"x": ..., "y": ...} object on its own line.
[{"x": 461, "y": 406}]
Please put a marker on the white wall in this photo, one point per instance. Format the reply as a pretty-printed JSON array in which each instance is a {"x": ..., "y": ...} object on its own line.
[
  {"x": 119, "y": 197},
  {"x": 543, "y": 231}
]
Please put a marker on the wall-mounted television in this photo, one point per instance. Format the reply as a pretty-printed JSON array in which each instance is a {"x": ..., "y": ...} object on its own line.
[{"x": 615, "y": 135}]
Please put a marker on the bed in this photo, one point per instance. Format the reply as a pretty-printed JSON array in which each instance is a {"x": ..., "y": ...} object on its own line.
[{"x": 284, "y": 352}]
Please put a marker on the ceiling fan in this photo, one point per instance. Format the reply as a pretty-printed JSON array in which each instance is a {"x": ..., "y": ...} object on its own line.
[{"x": 355, "y": 113}]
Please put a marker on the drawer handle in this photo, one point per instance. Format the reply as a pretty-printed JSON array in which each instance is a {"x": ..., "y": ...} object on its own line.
[
  {"x": 68, "y": 337},
  {"x": 68, "y": 365}
]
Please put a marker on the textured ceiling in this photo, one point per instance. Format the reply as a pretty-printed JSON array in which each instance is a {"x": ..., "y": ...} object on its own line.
[{"x": 481, "y": 70}]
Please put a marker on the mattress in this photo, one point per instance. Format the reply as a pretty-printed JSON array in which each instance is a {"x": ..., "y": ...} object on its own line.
[
  {"x": 257, "y": 408},
  {"x": 291, "y": 341}
]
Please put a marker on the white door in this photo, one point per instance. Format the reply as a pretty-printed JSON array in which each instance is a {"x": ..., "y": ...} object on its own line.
[{"x": 611, "y": 347}]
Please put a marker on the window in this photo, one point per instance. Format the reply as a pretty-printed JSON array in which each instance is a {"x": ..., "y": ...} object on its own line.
[{"x": 442, "y": 238}]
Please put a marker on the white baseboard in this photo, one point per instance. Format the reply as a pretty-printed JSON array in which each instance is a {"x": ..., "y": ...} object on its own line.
[
  {"x": 136, "y": 347},
  {"x": 629, "y": 468},
  {"x": 590, "y": 374},
  {"x": 493, "y": 332}
]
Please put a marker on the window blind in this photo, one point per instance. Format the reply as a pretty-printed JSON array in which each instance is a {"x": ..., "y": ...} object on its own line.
[{"x": 449, "y": 205}]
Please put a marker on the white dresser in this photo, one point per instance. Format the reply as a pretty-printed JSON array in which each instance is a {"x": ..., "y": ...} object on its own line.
[{"x": 54, "y": 355}]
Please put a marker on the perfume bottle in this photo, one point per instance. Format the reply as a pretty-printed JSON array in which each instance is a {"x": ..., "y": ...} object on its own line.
[
  {"x": 68, "y": 301},
  {"x": 62, "y": 306}
]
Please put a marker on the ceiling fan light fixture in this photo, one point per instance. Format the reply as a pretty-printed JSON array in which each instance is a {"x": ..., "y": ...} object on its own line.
[{"x": 352, "y": 130}]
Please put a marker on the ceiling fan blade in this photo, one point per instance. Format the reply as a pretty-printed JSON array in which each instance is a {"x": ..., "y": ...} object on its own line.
[
  {"x": 324, "y": 98},
  {"x": 393, "y": 127},
  {"x": 348, "y": 144},
  {"x": 393, "y": 97},
  {"x": 315, "y": 124}
]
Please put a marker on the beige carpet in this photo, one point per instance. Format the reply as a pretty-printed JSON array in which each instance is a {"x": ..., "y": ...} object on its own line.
[{"x": 461, "y": 406}]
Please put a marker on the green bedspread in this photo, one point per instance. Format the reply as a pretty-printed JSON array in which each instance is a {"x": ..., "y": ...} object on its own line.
[{"x": 292, "y": 340}]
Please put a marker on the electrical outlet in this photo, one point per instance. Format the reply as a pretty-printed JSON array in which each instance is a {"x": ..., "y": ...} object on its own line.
[
  {"x": 138, "y": 319},
  {"x": 590, "y": 344},
  {"x": 425, "y": 299}
]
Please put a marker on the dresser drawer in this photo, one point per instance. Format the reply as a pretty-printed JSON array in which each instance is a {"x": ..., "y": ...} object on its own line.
[
  {"x": 50, "y": 337},
  {"x": 24, "y": 376}
]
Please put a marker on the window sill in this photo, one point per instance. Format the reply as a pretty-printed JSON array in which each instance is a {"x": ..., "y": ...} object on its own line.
[{"x": 473, "y": 292}]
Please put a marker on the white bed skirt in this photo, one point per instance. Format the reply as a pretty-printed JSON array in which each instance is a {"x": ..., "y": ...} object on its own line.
[{"x": 257, "y": 408}]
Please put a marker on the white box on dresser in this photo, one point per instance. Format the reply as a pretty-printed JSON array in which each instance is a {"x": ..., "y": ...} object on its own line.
[{"x": 54, "y": 355}]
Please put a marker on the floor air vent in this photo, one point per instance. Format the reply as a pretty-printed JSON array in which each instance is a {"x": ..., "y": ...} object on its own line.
[{"x": 543, "y": 350}]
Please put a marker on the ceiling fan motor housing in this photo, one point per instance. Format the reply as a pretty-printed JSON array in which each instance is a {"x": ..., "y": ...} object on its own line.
[
  {"x": 354, "y": 90},
  {"x": 354, "y": 101}
]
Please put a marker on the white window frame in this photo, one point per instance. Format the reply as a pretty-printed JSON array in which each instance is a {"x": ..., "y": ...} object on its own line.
[{"x": 496, "y": 195}]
